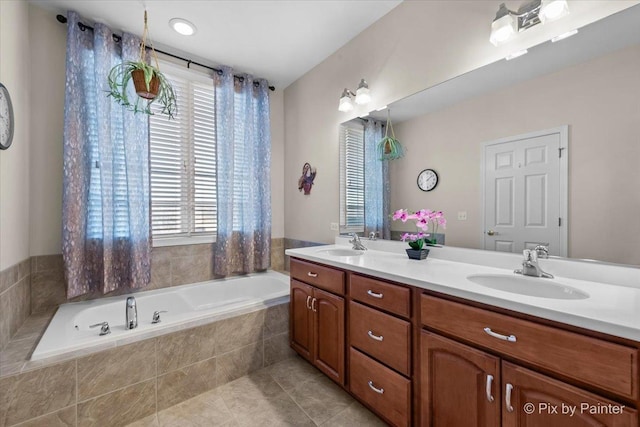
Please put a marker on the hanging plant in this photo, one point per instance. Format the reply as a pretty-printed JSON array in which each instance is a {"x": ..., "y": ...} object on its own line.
[
  {"x": 150, "y": 84},
  {"x": 389, "y": 148}
]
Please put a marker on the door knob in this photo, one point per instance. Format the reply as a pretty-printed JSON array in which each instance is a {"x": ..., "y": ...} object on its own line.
[{"x": 491, "y": 233}]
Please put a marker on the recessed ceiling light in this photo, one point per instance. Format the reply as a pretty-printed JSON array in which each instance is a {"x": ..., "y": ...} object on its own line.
[{"x": 182, "y": 26}]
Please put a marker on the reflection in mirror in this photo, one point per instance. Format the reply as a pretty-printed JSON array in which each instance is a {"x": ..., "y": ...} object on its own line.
[
  {"x": 364, "y": 180},
  {"x": 586, "y": 88}
]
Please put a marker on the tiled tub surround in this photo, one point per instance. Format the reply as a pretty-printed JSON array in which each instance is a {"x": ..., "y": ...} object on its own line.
[
  {"x": 170, "y": 266},
  {"x": 117, "y": 386},
  {"x": 15, "y": 299}
]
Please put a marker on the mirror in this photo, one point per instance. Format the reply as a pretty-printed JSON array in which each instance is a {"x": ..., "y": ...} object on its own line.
[{"x": 586, "y": 89}]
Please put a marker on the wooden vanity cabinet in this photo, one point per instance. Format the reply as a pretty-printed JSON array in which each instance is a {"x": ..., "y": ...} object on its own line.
[
  {"x": 380, "y": 346},
  {"x": 465, "y": 386},
  {"x": 317, "y": 317}
]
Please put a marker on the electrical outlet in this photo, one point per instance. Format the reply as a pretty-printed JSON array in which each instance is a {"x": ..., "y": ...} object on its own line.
[
  {"x": 462, "y": 216},
  {"x": 334, "y": 226}
]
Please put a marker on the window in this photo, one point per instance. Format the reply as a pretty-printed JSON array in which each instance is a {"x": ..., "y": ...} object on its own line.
[
  {"x": 183, "y": 163},
  {"x": 352, "y": 177}
]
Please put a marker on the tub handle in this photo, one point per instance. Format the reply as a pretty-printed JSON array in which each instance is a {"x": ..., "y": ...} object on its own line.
[
  {"x": 310, "y": 274},
  {"x": 308, "y": 302},
  {"x": 156, "y": 316},
  {"x": 104, "y": 330}
]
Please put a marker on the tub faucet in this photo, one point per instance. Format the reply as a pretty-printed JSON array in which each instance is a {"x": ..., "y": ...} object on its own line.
[
  {"x": 530, "y": 265},
  {"x": 357, "y": 244},
  {"x": 131, "y": 313}
]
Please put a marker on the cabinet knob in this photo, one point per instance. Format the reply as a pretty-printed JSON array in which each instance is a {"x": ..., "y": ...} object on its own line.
[
  {"x": 507, "y": 397},
  {"x": 375, "y": 294},
  {"x": 376, "y": 389},
  {"x": 510, "y": 338},
  {"x": 488, "y": 389},
  {"x": 374, "y": 336}
]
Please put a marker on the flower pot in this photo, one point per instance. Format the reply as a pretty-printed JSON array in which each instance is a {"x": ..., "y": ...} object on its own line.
[
  {"x": 417, "y": 253},
  {"x": 141, "y": 86}
]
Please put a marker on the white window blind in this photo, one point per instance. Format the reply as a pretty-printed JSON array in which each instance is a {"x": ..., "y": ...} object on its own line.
[
  {"x": 183, "y": 161},
  {"x": 352, "y": 177}
]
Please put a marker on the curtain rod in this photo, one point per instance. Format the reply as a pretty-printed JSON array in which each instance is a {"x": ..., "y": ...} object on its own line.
[{"x": 63, "y": 20}]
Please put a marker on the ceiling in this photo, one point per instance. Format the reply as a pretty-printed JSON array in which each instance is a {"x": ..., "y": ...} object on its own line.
[{"x": 279, "y": 40}]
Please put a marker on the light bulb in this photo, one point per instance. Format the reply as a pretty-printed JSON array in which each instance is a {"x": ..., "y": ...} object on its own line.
[
  {"x": 363, "y": 96},
  {"x": 346, "y": 104},
  {"x": 502, "y": 29},
  {"x": 550, "y": 10}
]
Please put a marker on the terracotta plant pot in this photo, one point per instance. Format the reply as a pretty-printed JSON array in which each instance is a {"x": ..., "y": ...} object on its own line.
[
  {"x": 417, "y": 253},
  {"x": 141, "y": 86}
]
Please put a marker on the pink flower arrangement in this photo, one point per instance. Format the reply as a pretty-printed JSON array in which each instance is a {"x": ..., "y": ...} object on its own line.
[{"x": 424, "y": 218}]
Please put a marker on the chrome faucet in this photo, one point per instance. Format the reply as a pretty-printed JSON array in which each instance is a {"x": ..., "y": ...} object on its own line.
[
  {"x": 530, "y": 265},
  {"x": 373, "y": 235},
  {"x": 131, "y": 313},
  {"x": 357, "y": 244}
]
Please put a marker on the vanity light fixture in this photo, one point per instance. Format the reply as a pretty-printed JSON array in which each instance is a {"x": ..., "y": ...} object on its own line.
[
  {"x": 182, "y": 26},
  {"x": 508, "y": 22},
  {"x": 346, "y": 103},
  {"x": 564, "y": 36},
  {"x": 362, "y": 97}
]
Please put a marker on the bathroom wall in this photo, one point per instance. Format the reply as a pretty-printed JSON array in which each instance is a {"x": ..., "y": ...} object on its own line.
[
  {"x": 15, "y": 73},
  {"x": 604, "y": 135},
  {"x": 416, "y": 45}
]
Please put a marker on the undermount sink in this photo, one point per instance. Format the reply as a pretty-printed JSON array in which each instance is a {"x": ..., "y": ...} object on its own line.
[
  {"x": 341, "y": 252},
  {"x": 524, "y": 285}
]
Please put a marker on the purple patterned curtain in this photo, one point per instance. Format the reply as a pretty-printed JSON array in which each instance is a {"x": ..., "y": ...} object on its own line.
[
  {"x": 243, "y": 243},
  {"x": 105, "y": 212}
]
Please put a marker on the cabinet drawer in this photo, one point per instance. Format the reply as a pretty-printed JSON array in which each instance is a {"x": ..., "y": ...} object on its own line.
[
  {"x": 386, "y": 296},
  {"x": 610, "y": 366},
  {"x": 387, "y": 392},
  {"x": 381, "y": 336},
  {"x": 322, "y": 277}
]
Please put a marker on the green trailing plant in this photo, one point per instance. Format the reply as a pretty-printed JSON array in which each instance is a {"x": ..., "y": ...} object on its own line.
[
  {"x": 150, "y": 84},
  {"x": 122, "y": 74},
  {"x": 389, "y": 148}
]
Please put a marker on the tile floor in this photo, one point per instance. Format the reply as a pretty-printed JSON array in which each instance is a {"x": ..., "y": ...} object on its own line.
[{"x": 289, "y": 393}]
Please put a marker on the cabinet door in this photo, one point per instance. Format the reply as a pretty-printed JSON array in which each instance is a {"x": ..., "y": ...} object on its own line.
[
  {"x": 460, "y": 386},
  {"x": 535, "y": 400},
  {"x": 301, "y": 323},
  {"x": 328, "y": 349}
]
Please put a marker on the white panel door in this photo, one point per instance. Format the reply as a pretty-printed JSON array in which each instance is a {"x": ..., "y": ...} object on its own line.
[{"x": 523, "y": 195}]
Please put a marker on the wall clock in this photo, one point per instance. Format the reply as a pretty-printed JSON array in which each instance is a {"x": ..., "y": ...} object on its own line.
[
  {"x": 6, "y": 118},
  {"x": 427, "y": 180}
]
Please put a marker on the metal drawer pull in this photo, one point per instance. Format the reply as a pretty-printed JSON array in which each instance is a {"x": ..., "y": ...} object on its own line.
[
  {"x": 310, "y": 274},
  {"x": 375, "y": 337},
  {"x": 489, "y": 382},
  {"x": 313, "y": 304},
  {"x": 510, "y": 338},
  {"x": 507, "y": 397},
  {"x": 308, "y": 302},
  {"x": 376, "y": 389},
  {"x": 375, "y": 294}
]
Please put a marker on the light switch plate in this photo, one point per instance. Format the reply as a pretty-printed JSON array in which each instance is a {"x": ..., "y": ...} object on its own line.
[
  {"x": 462, "y": 216},
  {"x": 333, "y": 226}
]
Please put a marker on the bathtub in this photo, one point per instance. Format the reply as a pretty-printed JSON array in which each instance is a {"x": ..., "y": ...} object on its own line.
[{"x": 186, "y": 306}]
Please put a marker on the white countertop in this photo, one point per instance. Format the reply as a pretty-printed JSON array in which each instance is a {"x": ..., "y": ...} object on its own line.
[{"x": 610, "y": 308}]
